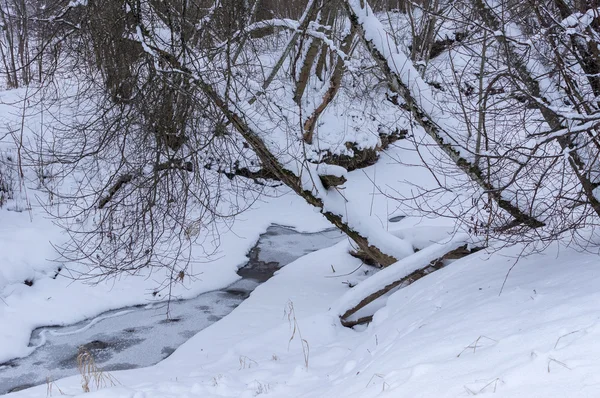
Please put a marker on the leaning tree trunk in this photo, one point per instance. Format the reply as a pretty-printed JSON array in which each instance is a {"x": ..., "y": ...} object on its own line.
[
  {"x": 533, "y": 87},
  {"x": 294, "y": 182},
  {"x": 270, "y": 161},
  {"x": 373, "y": 35}
]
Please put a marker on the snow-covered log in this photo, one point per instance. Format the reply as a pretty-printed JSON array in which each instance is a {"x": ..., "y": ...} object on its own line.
[{"x": 404, "y": 272}]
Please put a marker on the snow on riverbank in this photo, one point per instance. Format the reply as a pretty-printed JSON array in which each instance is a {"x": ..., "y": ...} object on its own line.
[
  {"x": 448, "y": 335},
  {"x": 62, "y": 301},
  {"x": 25, "y": 252}
]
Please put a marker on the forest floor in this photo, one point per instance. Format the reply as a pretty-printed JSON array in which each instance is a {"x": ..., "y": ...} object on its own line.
[{"x": 464, "y": 330}]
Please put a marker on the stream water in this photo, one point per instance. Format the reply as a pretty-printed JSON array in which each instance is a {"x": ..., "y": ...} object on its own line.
[{"x": 142, "y": 336}]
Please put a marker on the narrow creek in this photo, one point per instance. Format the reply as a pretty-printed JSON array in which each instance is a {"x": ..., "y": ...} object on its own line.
[{"x": 141, "y": 336}]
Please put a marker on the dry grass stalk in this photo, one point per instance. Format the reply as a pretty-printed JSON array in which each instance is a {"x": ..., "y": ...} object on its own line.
[
  {"x": 91, "y": 374},
  {"x": 291, "y": 315}
]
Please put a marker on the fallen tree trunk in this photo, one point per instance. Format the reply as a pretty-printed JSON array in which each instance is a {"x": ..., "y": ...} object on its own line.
[
  {"x": 405, "y": 269},
  {"x": 432, "y": 266}
]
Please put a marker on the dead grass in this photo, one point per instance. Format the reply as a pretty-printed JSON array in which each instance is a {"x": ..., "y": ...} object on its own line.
[
  {"x": 291, "y": 315},
  {"x": 91, "y": 375},
  {"x": 50, "y": 386}
]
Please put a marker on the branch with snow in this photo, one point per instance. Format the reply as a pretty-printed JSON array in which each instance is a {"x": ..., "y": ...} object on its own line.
[
  {"x": 404, "y": 79},
  {"x": 395, "y": 275}
]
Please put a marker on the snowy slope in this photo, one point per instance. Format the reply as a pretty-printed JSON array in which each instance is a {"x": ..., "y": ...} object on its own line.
[{"x": 450, "y": 334}]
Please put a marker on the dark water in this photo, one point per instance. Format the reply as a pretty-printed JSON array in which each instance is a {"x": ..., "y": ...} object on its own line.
[{"x": 142, "y": 336}]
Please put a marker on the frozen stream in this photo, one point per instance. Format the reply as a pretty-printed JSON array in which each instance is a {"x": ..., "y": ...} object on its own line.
[{"x": 142, "y": 336}]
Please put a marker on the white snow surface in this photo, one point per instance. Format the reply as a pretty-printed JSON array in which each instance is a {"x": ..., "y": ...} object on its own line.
[
  {"x": 451, "y": 334},
  {"x": 62, "y": 301},
  {"x": 27, "y": 253}
]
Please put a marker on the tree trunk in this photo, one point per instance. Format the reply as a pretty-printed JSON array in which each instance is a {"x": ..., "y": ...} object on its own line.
[
  {"x": 425, "y": 120},
  {"x": 533, "y": 87},
  {"x": 334, "y": 86}
]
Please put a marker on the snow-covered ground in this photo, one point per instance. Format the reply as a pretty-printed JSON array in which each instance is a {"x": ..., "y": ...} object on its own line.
[
  {"x": 450, "y": 334},
  {"x": 61, "y": 301},
  {"x": 54, "y": 299},
  {"x": 143, "y": 335}
]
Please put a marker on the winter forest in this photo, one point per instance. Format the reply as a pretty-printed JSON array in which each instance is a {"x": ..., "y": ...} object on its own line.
[{"x": 301, "y": 198}]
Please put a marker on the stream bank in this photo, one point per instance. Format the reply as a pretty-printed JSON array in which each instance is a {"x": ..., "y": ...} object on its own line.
[{"x": 141, "y": 336}]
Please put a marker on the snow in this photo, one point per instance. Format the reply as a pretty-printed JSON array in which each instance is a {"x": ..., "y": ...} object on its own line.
[
  {"x": 324, "y": 169},
  {"x": 397, "y": 61},
  {"x": 450, "y": 334},
  {"x": 578, "y": 22},
  {"x": 50, "y": 301},
  {"x": 485, "y": 324},
  {"x": 76, "y": 3},
  {"x": 62, "y": 301}
]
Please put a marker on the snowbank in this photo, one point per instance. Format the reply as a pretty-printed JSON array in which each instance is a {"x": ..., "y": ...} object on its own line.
[{"x": 448, "y": 335}]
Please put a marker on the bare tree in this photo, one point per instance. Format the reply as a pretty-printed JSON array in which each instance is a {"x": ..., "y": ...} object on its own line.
[{"x": 167, "y": 153}]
